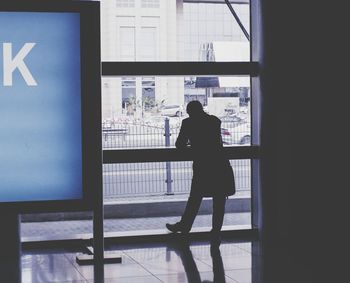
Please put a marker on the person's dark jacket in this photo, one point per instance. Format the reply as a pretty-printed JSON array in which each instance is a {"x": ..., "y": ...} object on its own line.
[{"x": 212, "y": 172}]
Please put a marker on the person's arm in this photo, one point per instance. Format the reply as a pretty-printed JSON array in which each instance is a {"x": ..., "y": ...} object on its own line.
[
  {"x": 182, "y": 139},
  {"x": 218, "y": 133}
]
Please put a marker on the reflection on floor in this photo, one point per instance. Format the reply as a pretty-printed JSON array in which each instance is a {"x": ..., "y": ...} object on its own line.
[{"x": 174, "y": 261}]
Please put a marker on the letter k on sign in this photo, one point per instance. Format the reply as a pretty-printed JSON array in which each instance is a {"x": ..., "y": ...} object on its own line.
[{"x": 11, "y": 64}]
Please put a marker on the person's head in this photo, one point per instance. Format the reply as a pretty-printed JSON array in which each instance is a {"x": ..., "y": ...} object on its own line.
[{"x": 194, "y": 108}]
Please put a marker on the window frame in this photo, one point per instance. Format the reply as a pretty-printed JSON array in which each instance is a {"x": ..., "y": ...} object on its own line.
[{"x": 193, "y": 68}]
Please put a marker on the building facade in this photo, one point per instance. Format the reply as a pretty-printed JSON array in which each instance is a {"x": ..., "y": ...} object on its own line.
[{"x": 172, "y": 30}]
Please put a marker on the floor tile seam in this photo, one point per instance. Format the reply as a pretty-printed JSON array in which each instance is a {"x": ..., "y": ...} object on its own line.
[
  {"x": 232, "y": 278},
  {"x": 224, "y": 275},
  {"x": 199, "y": 272},
  {"x": 76, "y": 268},
  {"x": 130, "y": 257},
  {"x": 227, "y": 269},
  {"x": 66, "y": 281},
  {"x": 237, "y": 269},
  {"x": 150, "y": 274},
  {"x": 208, "y": 258},
  {"x": 155, "y": 275},
  {"x": 138, "y": 263},
  {"x": 236, "y": 280},
  {"x": 129, "y": 277},
  {"x": 160, "y": 280},
  {"x": 200, "y": 260},
  {"x": 245, "y": 250},
  {"x": 210, "y": 265}
]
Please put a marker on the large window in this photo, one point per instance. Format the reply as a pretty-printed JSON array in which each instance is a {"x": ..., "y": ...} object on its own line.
[
  {"x": 209, "y": 30},
  {"x": 174, "y": 30},
  {"x": 151, "y": 109},
  {"x": 146, "y": 112},
  {"x": 156, "y": 57}
]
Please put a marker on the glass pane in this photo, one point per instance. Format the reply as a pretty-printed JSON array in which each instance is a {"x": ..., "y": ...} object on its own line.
[
  {"x": 163, "y": 188},
  {"x": 174, "y": 30},
  {"x": 151, "y": 178},
  {"x": 150, "y": 3},
  {"x": 146, "y": 112},
  {"x": 127, "y": 43},
  {"x": 125, "y": 3},
  {"x": 144, "y": 197}
]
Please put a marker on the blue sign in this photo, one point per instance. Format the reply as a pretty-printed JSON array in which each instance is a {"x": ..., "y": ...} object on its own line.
[{"x": 40, "y": 107}]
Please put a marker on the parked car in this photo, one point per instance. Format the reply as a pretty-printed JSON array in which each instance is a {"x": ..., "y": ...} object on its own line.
[
  {"x": 231, "y": 118},
  {"x": 159, "y": 122},
  {"x": 239, "y": 133},
  {"x": 107, "y": 124},
  {"x": 172, "y": 110}
]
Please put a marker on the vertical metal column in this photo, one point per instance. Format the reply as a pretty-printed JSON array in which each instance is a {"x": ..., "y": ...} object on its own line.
[
  {"x": 92, "y": 61},
  {"x": 98, "y": 240},
  {"x": 10, "y": 247},
  {"x": 256, "y": 112},
  {"x": 98, "y": 217},
  {"x": 169, "y": 181}
]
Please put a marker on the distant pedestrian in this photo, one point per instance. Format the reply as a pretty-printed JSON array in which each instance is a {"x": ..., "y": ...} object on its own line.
[{"x": 212, "y": 172}]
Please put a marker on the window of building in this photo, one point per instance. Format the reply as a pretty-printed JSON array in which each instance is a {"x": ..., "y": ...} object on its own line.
[
  {"x": 125, "y": 3},
  {"x": 127, "y": 44},
  {"x": 148, "y": 94},
  {"x": 148, "y": 44},
  {"x": 150, "y": 3},
  {"x": 129, "y": 102}
]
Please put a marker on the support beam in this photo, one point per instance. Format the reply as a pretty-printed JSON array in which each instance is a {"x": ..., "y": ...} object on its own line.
[
  {"x": 180, "y": 68},
  {"x": 10, "y": 247},
  {"x": 171, "y": 154},
  {"x": 216, "y": 1},
  {"x": 233, "y": 12}
]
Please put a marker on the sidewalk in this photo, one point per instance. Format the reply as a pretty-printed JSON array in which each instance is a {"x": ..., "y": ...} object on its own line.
[
  {"x": 144, "y": 207},
  {"x": 75, "y": 229},
  {"x": 132, "y": 216}
]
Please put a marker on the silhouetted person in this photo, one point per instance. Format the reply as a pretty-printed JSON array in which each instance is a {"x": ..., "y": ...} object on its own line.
[{"x": 212, "y": 172}]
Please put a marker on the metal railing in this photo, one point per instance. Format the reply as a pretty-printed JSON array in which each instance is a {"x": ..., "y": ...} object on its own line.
[
  {"x": 127, "y": 132},
  {"x": 155, "y": 178},
  {"x": 160, "y": 178}
]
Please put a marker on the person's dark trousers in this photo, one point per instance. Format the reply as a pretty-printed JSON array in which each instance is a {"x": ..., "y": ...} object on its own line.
[
  {"x": 192, "y": 207},
  {"x": 191, "y": 210},
  {"x": 218, "y": 212}
]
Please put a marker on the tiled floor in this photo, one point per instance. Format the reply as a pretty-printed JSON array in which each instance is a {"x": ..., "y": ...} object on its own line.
[{"x": 174, "y": 261}]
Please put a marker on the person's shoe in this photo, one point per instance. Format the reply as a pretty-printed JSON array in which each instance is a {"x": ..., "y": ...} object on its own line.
[{"x": 176, "y": 228}]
